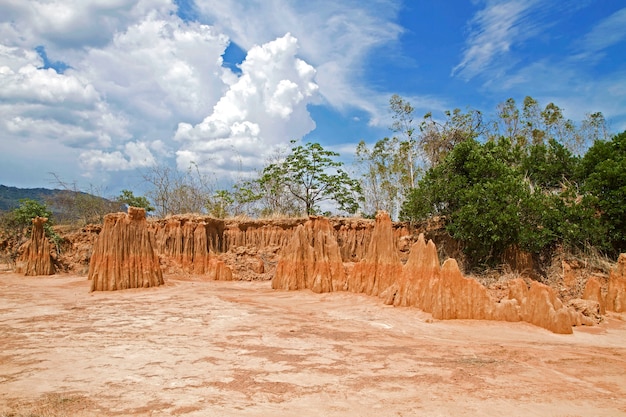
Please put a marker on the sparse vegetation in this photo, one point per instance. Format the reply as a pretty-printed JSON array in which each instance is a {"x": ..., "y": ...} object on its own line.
[{"x": 16, "y": 226}]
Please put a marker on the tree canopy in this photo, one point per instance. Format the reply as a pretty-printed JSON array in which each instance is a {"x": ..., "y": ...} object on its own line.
[{"x": 311, "y": 175}]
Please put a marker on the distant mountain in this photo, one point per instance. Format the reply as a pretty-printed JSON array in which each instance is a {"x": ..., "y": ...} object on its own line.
[
  {"x": 10, "y": 196},
  {"x": 64, "y": 204}
]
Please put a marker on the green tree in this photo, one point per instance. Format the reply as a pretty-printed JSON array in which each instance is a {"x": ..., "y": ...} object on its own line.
[
  {"x": 392, "y": 166},
  {"x": 603, "y": 169},
  {"x": 17, "y": 224},
  {"x": 127, "y": 197},
  {"x": 479, "y": 194},
  {"x": 221, "y": 204},
  {"x": 381, "y": 175},
  {"x": 549, "y": 166},
  {"x": 490, "y": 202},
  {"x": 311, "y": 175},
  {"x": 28, "y": 210}
]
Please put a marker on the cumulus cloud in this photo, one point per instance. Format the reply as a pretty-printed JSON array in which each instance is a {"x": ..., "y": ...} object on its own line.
[
  {"x": 30, "y": 83},
  {"x": 37, "y": 103},
  {"x": 142, "y": 86},
  {"x": 334, "y": 36},
  {"x": 152, "y": 71},
  {"x": 264, "y": 108},
  {"x": 161, "y": 68}
]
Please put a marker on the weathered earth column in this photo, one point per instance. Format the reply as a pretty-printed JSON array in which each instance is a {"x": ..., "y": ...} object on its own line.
[
  {"x": 124, "y": 255},
  {"x": 36, "y": 259}
]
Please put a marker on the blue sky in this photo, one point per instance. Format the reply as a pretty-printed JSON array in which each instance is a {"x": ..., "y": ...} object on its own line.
[{"x": 99, "y": 92}]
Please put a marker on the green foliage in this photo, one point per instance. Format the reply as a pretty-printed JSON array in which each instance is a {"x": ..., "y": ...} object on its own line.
[
  {"x": 17, "y": 223},
  {"x": 221, "y": 204},
  {"x": 311, "y": 175},
  {"x": 127, "y": 197},
  {"x": 493, "y": 197},
  {"x": 549, "y": 165},
  {"x": 479, "y": 194},
  {"x": 28, "y": 210},
  {"x": 604, "y": 171}
]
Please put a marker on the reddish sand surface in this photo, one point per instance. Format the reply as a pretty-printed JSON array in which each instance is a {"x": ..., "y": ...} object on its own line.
[{"x": 241, "y": 349}]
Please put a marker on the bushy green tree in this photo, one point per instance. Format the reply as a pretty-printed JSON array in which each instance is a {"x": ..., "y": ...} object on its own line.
[
  {"x": 549, "y": 166},
  {"x": 491, "y": 199},
  {"x": 603, "y": 169},
  {"x": 480, "y": 195}
]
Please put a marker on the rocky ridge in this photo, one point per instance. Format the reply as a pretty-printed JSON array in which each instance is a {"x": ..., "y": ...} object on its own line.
[
  {"x": 378, "y": 258},
  {"x": 311, "y": 261}
]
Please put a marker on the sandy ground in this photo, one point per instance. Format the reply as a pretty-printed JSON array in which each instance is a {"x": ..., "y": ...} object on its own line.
[{"x": 242, "y": 349}]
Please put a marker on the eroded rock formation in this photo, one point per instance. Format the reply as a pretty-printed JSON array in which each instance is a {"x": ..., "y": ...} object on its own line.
[
  {"x": 616, "y": 296},
  {"x": 593, "y": 292},
  {"x": 188, "y": 243},
  {"x": 36, "y": 258},
  {"x": 124, "y": 255},
  {"x": 381, "y": 267},
  {"x": 311, "y": 260}
]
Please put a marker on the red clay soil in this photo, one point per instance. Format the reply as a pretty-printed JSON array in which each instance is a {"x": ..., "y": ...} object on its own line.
[{"x": 242, "y": 349}]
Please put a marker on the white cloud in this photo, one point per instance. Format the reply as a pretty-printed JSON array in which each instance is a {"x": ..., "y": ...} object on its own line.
[
  {"x": 73, "y": 24},
  {"x": 151, "y": 73},
  {"x": 265, "y": 108},
  {"x": 606, "y": 33},
  {"x": 161, "y": 69},
  {"x": 38, "y": 103},
  {"x": 334, "y": 37},
  {"x": 493, "y": 31},
  {"x": 134, "y": 155},
  {"x": 32, "y": 84}
]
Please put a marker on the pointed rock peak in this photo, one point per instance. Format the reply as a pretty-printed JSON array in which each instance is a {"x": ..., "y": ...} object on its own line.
[
  {"x": 450, "y": 266},
  {"x": 418, "y": 249}
]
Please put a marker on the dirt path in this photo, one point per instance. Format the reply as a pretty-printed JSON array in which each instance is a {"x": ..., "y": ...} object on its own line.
[{"x": 242, "y": 349}]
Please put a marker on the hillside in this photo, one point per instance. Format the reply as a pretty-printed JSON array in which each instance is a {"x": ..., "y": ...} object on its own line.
[
  {"x": 63, "y": 203},
  {"x": 10, "y": 196}
]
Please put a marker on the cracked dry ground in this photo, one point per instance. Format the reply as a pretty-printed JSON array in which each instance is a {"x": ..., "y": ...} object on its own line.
[{"x": 242, "y": 349}]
